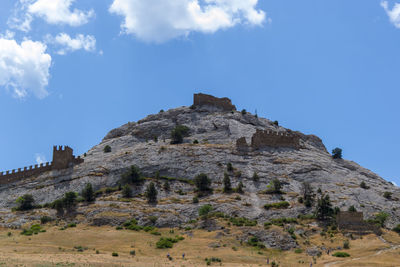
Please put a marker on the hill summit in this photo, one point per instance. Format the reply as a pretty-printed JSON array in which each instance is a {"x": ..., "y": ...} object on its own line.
[{"x": 252, "y": 168}]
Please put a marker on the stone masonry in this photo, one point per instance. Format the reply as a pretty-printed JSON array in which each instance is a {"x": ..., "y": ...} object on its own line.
[
  {"x": 63, "y": 158},
  {"x": 211, "y": 101}
]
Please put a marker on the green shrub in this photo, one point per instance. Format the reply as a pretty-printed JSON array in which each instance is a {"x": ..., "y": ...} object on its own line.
[
  {"x": 274, "y": 187},
  {"x": 148, "y": 228},
  {"x": 298, "y": 250},
  {"x": 9, "y": 234},
  {"x": 155, "y": 233},
  {"x": 25, "y": 202},
  {"x": 364, "y": 185},
  {"x": 166, "y": 242},
  {"x": 34, "y": 229},
  {"x": 255, "y": 242},
  {"x": 132, "y": 176},
  {"x": 132, "y": 253},
  {"x": 152, "y": 219},
  {"x": 151, "y": 193},
  {"x": 397, "y": 229},
  {"x": 352, "y": 209},
  {"x": 341, "y": 254},
  {"x": 379, "y": 219},
  {"x": 256, "y": 178},
  {"x": 346, "y": 244},
  {"x": 243, "y": 112},
  {"x": 205, "y": 210},
  {"x": 239, "y": 188},
  {"x": 242, "y": 221},
  {"x": 277, "y": 205},
  {"x": 202, "y": 182},
  {"x": 88, "y": 193},
  {"x": 195, "y": 142},
  {"x": 387, "y": 195},
  {"x": 45, "y": 219},
  {"x": 71, "y": 225},
  {"x": 337, "y": 153},
  {"x": 126, "y": 191},
  {"x": 178, "y": 133},
  {"x": 195, "y": 200},
  {"x": 114, "y": 254},
  {"x": 107, "y": 149}
]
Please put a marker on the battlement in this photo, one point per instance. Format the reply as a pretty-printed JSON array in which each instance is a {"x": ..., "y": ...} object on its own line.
[
  {"x": 267, "y": 138},
  {"x": 224, "y": 103},
  {"x": 62, "y": 159}
]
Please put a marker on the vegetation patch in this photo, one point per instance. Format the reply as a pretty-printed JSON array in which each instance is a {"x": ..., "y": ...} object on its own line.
[
  {"x": 341, "y": 254},
  {"x": 33, "y": 230},
  {"x": 168, "y": 242},
  {"x": 277, "y": 205}
]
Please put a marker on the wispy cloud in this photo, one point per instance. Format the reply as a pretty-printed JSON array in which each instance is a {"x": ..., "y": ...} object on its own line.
[
  {"x": 161, "y": 20},
  {"x": 394, "y": 13},
  {"x": 69, "y": 44},
  {"x": 40, "y": 158}
]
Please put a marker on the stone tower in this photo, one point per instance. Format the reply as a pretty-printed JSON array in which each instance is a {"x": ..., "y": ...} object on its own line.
[{"x": 62, "y": 157}]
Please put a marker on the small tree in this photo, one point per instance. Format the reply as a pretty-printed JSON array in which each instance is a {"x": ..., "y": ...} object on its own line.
[
  {"x": 324, "y": 209},
  {"x": 25, "y": 202},
  {"x": 126, "y": 191},
  {"x": 276, "y": 123},
  {"x": 229, "y": 167},
  {"x": 107, "y": 149},
  {"x": 151, "y": 193},
  {"x": 202, "y": 182},
  {"x": 88, "y": 193},
  {"x": 239, "y": 188},
  {"x": 58, "y": 205},
  {"x": 178, "y": 133},
  {"x": 132, "y": 176},
  {"x": 227, "y": 183},
  {"x": 69, "y": 201},
  {"x": 337, "y": 153},
  {"x": 243, "y": 112},
  {"x": 308, "y": 194}
]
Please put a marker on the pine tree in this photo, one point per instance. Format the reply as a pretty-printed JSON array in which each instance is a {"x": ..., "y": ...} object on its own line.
[
  {"x": 88, "y": 193},
  {"x": 126, "y": 191},
  {"x": 324, "y": 209},
  {"x": 227, "y": 183},
  {"x": 151, "y": 193}
]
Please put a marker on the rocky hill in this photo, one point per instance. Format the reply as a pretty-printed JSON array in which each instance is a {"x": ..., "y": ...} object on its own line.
[{"x": 214, "y": 141}]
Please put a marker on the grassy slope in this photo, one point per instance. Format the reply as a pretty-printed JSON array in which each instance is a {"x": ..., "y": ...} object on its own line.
[{"x": 56, "y": 248}]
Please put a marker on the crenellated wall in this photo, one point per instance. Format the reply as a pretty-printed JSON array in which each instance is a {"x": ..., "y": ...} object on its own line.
[
  {"x": 209, "y": 100},
  {"x": 62, "y": 159}
]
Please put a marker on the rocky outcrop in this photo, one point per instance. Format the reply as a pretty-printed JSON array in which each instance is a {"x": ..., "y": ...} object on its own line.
[{"x": 146, "y": 144}]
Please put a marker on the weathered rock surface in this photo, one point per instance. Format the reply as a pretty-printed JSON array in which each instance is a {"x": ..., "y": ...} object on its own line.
[{"x": 217, "y": 132}]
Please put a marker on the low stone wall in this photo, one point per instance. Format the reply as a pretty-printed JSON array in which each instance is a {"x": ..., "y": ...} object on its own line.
[
  {"x": 354, "y": 222},
  {"x": 209, "y": 100}
]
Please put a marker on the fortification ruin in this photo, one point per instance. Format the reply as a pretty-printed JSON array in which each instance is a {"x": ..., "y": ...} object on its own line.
[
  {"x": 63, "y": 158},
  {"x": 354, "y": 222},
  {"x": 224, "y": 103},
  {"x": 262, "y": 139}
]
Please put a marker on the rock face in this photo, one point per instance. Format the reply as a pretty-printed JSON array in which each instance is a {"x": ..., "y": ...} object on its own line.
[{"x": 217, "y": 127}]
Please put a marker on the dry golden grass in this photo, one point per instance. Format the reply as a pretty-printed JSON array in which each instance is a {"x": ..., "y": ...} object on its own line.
[{"x": 56, "y": 248}]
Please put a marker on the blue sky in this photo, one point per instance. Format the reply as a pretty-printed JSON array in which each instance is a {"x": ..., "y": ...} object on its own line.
[{"x": 70, "y": 71}]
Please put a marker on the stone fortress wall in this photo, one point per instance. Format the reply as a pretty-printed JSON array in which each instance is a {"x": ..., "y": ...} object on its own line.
[
  {"x": 354, "y": 222},
  {"x": 63, "y": 158},
  {"x": 262, "y": 139},
  {"x": 211, "y": 101}
]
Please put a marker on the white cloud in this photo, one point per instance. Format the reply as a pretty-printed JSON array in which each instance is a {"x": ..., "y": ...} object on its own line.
[
  {"x": 24, "y": 68},
  {"x": 68, "y": 44},
  {"x": 52, "y": 11},
  {"x": 40, "y": 158},
  {"x": 161, "y": 20},
  {"x": 394, "y": 13}
]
